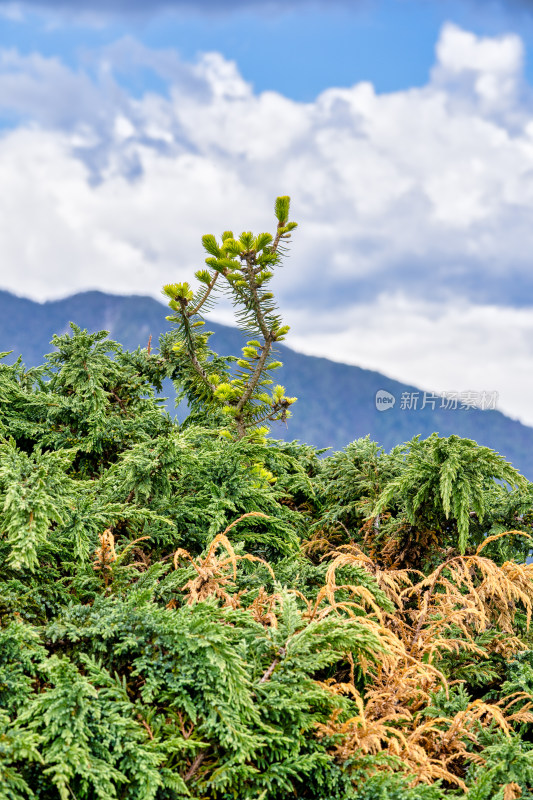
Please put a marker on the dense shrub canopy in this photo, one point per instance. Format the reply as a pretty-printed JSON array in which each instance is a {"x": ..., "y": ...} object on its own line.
[{"x": 194, "y": 609}]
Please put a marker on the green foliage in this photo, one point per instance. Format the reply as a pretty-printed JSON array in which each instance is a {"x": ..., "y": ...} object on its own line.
[
  {"x": 508, "y": 761},
  {"x": 411, "y": 505},
  {"x": 89, "y": 738},
  {"x": 16, "y": 748},
  {"x": 353, "y": 481},
  {"x": 442, "y": 483},
  {"x": 387, "y": 786},
  {"x": 34, "y": 493},
  {"x": 196, "y": 610}
]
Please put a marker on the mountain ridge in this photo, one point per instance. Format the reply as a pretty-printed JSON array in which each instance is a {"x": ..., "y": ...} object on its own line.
[{"x": 336, "y": 401}]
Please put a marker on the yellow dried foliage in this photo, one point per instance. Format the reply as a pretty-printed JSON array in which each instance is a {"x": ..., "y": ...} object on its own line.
[
  {"x": 391, "y": 581},
  {"x": 472, "y": 593},
  {"x": 105, "y": 555},
  {"x": 263, "y": 608},
  {"x": 434, "y": 615},
  {"x": 215, "y": 572},
  {"x": 512, "y": 791},
  {"x": 441, "y": 613},
  {"x": 323, "y": 541},
  {"x": 389, "y": 722}
]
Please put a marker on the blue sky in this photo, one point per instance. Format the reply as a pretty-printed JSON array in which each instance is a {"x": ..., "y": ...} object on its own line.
[
  {"x": 297, "y": 48},
  {"x": 402, "y": 129}
]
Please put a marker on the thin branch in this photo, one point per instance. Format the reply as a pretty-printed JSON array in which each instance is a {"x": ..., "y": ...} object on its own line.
[
  {"x": 254, "y": 378},
  {"x": 272, "y": 667},
  {"x": 192, "y": 355},
  {"x": 279, "y": 234},
  {"x": 261, "y": 321},
  {"x": 270, "y": 415},
  {"x": 204, "y": 298},
  {"x": 117, "y": 398},
  {"x": 145, "y": 724},
  {"x": 194, "y": 766}
]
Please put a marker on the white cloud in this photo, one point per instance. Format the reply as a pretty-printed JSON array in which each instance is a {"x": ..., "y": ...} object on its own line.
[
  {"x": 460, "y": 51},
  {"x": 425, "y": 194},
  {"x": 47, "y": 91},
  {"x": 454, "y": 347}
]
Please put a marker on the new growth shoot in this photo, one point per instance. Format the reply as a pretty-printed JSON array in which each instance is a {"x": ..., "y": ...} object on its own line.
[{"x": 242, "y": 267}]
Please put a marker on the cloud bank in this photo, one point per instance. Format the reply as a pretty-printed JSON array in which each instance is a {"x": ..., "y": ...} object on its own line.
[{"x": 415, "y": 207}]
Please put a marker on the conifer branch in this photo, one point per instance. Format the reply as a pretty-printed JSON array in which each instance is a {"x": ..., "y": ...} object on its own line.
[
  {"x": 267, "y": 334},
  {"x": 202, "y": 301},
  {"x": 256, "y": 377},
  {"x": 246, "y": 265},
  {"x": 190, "y": 342},
  {"x": 279, "y": 233}
]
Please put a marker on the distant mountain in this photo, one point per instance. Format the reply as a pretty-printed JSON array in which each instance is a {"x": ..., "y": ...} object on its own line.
[{"x": 336, "y": 402}]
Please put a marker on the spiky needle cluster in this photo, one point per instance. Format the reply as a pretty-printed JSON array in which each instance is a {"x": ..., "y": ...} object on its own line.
[{"x": 243, "y": 268}]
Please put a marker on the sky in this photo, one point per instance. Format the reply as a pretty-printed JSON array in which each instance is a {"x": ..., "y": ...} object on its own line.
[{"x": 401, "y": 129}]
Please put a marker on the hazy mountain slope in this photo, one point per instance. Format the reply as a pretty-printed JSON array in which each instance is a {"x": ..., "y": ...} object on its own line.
[{"x": 336, "y": 402}]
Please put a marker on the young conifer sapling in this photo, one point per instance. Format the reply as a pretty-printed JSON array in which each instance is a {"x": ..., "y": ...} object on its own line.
[{"x": 242, "y": 267}]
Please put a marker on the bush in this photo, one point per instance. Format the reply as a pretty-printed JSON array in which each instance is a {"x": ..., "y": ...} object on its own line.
[{"x": 198, "y": 610}]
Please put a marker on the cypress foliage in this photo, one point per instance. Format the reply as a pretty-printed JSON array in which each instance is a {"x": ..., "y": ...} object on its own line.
[{"x": 196, "y": 610}]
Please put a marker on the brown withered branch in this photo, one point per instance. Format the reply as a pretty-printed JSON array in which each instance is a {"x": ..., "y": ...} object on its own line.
[
  {"x": 470, "y": 593},
  {"x": 106, "y": 555},
  {"x": 214, "y": 573}
]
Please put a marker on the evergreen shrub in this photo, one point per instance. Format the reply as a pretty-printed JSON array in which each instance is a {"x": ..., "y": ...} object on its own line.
[{"x": 193, "y": 609}]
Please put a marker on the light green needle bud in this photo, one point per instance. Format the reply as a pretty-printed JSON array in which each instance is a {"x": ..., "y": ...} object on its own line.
[
  {"x": 171, "y": 290},
  {"x": 278, "y": 393},
  {"x": 263, "y": 240},
  {"x": 210, "y": 244},
  {"x": 282, "y": 209},
  {"x": 232, "y": 247},
  {"x": 247, "y": 240},
  {"x": 203, "y": 275}
]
